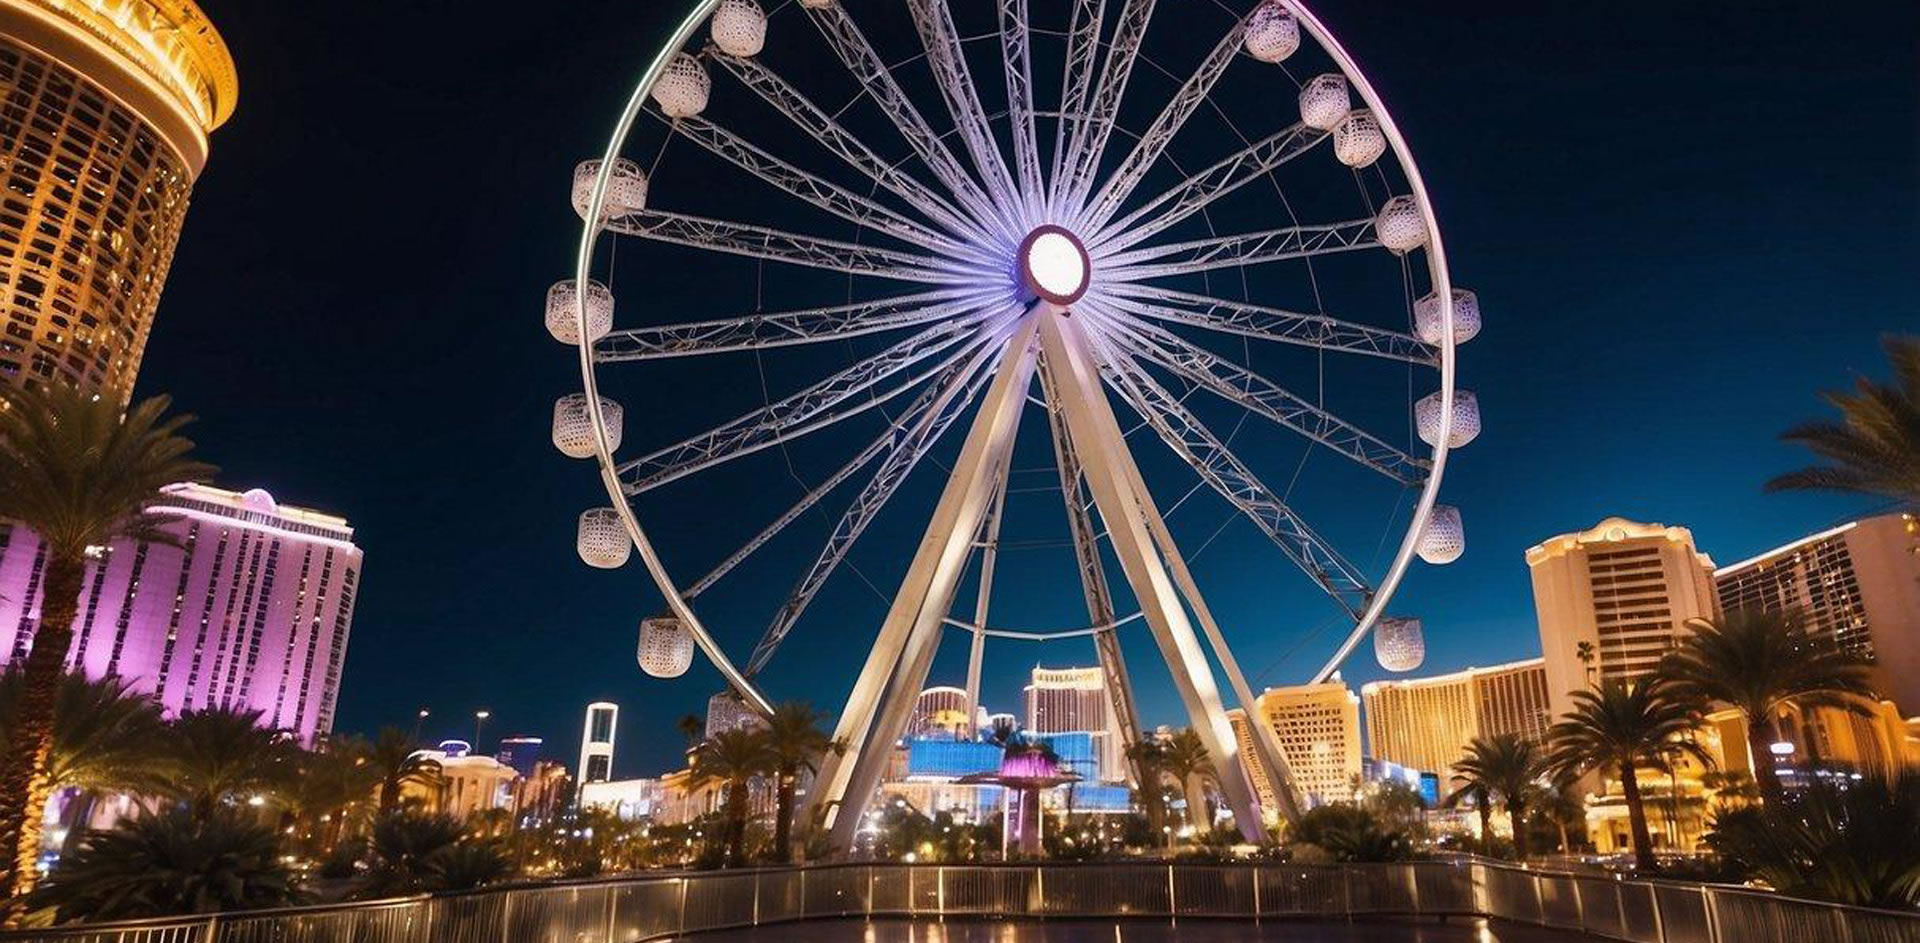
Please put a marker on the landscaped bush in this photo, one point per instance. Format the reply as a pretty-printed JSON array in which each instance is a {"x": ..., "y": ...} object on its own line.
[
  {"x": 1347, "y": 833},
  {"x": 1856, "y": 842},
  {"x": 166, "y": 864}
]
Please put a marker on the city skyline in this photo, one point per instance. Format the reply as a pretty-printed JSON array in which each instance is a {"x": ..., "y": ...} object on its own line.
[{"x": 1668, "y": 435}]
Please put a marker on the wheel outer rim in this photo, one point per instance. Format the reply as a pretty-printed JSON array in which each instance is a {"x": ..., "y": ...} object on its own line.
[{"x": 1440, "y": 283}]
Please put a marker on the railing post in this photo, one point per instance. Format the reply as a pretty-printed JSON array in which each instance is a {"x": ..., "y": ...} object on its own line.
[
  {"x": 506, "y": 916},
  {"x": 1038, "y": 902},
  {"x": 1254, "y": 876},
  {"x": 683, "y": 905},
  {"x": 1173, "y": 899},
  {"x": 213, "y": 929},
  {"x": 1713, "y": 918},
  {"x": 611, "y": 890},
  {"x": 940, "y": 890},
  {"x": 870, "y": 870},
  {"x": 1844, "y": 929},
  {"x": 756, "y": 898},
  {"x": 1659, "y": 912}
]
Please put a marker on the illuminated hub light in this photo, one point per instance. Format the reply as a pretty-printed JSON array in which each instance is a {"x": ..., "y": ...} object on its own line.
[
  {"x": 1781, "y": 748},
  {"x": 1055, "y": 265}
]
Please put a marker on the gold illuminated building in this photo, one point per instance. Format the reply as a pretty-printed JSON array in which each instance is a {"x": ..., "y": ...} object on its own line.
[
  {"x": 1426, "y": 723},
  {"x": 1613, "y": 600},
  {"x": 1319, "y": 728},
  {"x": 105, "y": 107}
]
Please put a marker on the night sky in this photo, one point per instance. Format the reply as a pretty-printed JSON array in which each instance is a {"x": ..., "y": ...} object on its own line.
[{"x": 1683, "y": 221}]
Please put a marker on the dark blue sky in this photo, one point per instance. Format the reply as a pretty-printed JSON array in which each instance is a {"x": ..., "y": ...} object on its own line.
[{"x": 1683, "y": 222}]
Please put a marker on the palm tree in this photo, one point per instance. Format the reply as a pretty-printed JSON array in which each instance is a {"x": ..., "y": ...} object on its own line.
[
  {"x": 1619, "y": 726},
  {"x": 222, "y": 754},
  {"x": 469, "y": 864},
  {"x": 1875, "y": 447},
  {"x": 1732, "y": 788},
  {"x": 1759, "y": 663},
  {"x": 733, "y": 758},
  {"x": 170, "y": 863},
  {"x": 1508, "y": 766},
  {"x": 104, "y": 736},
  {"x": 1561, "y": 805},
  {"x": 1148, "y": 757},
  {"x": 397, "y": 764},
  {"x": 1481, "y": 795},
  {"x": 1186, "y": 759},
  {"x": 691, "y": 727},
  {"x": 334, "y": 787},
  {"x": 79, "y": 474},
  {"x": 405, "y": 847},
  {"x": 797, "y": 742}
]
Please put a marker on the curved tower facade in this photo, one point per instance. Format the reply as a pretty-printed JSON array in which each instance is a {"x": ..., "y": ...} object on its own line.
[{"x": 105, "y": 107}]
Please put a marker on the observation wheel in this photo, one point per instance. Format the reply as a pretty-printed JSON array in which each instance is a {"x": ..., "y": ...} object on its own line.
[{"x": 1189, "y": 229}]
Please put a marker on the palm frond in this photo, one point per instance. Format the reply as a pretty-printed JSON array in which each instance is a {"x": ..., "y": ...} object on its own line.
[{"x": 1874, "y": 448}]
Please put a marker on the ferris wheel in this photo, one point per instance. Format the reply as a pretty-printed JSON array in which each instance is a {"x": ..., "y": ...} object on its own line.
[{"x": 1063, "y": 208}]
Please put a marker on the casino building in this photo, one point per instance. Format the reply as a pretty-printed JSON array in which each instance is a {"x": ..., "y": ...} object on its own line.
[
  {"x": 248, "y": 605},
  {"x": 105, "y": 108}
]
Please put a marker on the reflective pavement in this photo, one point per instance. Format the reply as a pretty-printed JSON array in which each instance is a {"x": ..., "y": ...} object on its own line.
[{"x": 1458, "y": 930}]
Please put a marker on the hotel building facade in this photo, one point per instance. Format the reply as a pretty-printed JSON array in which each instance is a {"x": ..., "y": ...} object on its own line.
[
  {"x": 1256, "y": 774},
  {"x": 940, "y": 711},
  {"x": 1858, "y": 584},
  {"x": 105, "y": 108},
  {"x": 1075, "y": 700},
  {"x": 1319, "y": 728},
  {"x": 250, "y": 608},
  {"x": 1426, "y": 723},
  {"x": 1613, "y": 600}
]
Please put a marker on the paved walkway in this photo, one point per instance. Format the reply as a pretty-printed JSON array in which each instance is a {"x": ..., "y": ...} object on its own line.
[{"x": 1459, "y": 930}]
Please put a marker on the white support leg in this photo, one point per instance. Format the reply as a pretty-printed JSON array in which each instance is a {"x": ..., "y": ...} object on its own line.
[
  {"x": 1116, "y": 491},
  {"x": 1268, "y": 752},
  {"x": 989, "y": 556},
  {"x": 897, "y": 666},
  {"x": 1093, "y": 581},
  {"x": 1266, "y": 741}
]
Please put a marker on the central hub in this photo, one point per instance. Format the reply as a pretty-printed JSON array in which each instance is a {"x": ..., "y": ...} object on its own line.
[{"x": 1055, "y": 265}]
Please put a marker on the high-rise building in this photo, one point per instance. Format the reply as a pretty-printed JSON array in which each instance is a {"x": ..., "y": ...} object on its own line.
[
  {"x": 1425, "y": 723},
  {"x": 105, "y": 107},
  {"x": 728, "y": 711},
  {"x": 596, "y": 743},
  {"x": 1319, "y": 728},
  {"x": 250, "y": 606},
  {"x": 521, "y": 753},
  {"x": 1256, "y": 774},
  {"x": 1612, "y": 601},
  {"x": 1858, "y": 583},
  {"x": 939, "y": 711},
  {"x": 1075, "y": 700}
]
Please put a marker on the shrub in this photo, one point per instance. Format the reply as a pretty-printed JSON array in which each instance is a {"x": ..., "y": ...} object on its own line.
[
  {"x": 169, "y": 864},
  {"x": 1856, "y": 843},
  {"x": 1348, "y": 833}
]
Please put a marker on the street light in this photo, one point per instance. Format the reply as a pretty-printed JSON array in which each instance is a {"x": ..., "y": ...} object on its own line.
[
  {"x": 479, "y": 719},
  {"x": 418, "y": 722}
]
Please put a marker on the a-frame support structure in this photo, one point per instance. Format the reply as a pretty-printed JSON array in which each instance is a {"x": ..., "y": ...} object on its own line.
[{"x": 882, "y": 700}]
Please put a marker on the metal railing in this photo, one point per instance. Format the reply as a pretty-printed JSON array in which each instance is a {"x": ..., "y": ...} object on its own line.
[{"x": 637, "y": 909}]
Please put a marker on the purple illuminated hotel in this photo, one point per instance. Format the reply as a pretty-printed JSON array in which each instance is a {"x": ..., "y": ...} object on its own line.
[{"x": 251, "y": 609}]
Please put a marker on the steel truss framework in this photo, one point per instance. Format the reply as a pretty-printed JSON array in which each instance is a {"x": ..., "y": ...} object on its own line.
[{"x": 938, "y": 261}]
